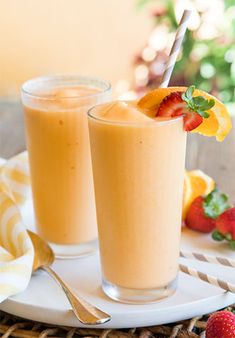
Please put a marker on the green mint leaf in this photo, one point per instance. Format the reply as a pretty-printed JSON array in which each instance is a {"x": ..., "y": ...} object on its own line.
[
  {"x": 215, "y": 203},
  {"x": 202, "y": 103},
  {"x": 184, "y": 97},
  {"x": 203, "y": 114},
  {"x": 211, "y": 103},
  {"x": 198, "y": 101},
  {"x": 198, "y": 104},
  {"x": 208, "y": 104},
  {"x": 189, "y": 92},
  {"x": 217, "y": 236}
]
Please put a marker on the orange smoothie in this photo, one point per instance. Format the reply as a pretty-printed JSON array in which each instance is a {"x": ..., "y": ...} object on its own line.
[
  {"x": 60, "y": 163},
  {"x": 138, "y": 167}
]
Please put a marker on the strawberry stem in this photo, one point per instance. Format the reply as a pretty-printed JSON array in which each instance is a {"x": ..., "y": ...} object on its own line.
[
  {"x": 217, "y": 236},
  {"x": 198, "y": 104},
  {"x": 215, "y": 203}
]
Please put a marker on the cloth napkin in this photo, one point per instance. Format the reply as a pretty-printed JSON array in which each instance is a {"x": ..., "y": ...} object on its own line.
[{"x": 16, "y": 249}]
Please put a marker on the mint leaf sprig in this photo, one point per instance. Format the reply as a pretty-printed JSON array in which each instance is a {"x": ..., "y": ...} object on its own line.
[{"x": 198, "y": 104}]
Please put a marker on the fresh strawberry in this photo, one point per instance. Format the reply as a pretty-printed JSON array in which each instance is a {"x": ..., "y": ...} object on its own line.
[
  {"x": 172, "y": 105},
  {"x": 221, "y": 325},
  {"x": 196, "y": 218},
  {"x": 194, "y": 109},
  {"x": 225, "y": 227},
  {"x": 192, "y": 120},
  {"x": 204, "y": 211}
]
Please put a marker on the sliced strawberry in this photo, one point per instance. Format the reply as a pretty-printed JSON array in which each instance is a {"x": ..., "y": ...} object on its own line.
[
  {"x": 193, "y": 108},
  {"x": 196, "y": 218},
  {"x": 173, "y": 105},
  {"x": 192, "y": 120}
]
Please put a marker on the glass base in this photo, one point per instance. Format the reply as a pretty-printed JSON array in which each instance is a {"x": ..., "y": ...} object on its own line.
[
  {"x": 138, "y": 296},
  {"x": 72, "y": 251}
]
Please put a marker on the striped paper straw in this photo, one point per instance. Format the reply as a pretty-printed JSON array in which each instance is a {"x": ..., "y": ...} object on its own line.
[
  {"x": 208, "y": 278},
  {"x": 208, "y": 258},
  {"x": 175, "y": 48}
]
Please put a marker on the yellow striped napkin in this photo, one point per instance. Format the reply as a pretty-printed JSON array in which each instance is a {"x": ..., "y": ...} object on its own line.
[{"x": 16, "y": 250}]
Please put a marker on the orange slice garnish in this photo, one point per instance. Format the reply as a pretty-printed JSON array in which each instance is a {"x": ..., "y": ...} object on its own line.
[{"x": 218, "y": 124}]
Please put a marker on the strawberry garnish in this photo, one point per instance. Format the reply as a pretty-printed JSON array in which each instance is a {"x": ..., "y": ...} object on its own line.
[
  {"x": 225, "y": 227},
  {"x": 171, "y": 105},
  {"x": 196, "y": 218},
  {"x": 193, "y": 109},
  {"x": 204, "y": 211},
  {"x": 192, "y": 120},
  {"x": 221, "y": 325}
]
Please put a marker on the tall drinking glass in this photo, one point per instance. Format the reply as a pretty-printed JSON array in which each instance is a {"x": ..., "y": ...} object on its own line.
[
  {"x": 55, "y": 112},
  {"x": 138, "y": 169}
]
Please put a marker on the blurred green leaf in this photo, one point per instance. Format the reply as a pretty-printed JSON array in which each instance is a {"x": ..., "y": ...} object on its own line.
[
  {"x": 229, "y": 3},
  {"x": 215, "y": 55}
]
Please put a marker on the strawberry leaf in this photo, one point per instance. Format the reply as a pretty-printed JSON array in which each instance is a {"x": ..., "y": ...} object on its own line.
[
  {"x": 217, "y": 236},
  {"x": 199, "y": 101},
  {"x": 203, "y": 114},
  {"x": 189, "y": 92},
  {"x": 215, "y": 203},
  {"x": 198, "y": 104}
]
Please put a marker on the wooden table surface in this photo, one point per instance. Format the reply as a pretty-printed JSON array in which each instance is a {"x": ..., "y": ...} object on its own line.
[{"x": 216, "y": 159}]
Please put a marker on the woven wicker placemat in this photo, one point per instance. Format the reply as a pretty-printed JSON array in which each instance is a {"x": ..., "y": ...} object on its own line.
[{"x": 12, "y": 326}]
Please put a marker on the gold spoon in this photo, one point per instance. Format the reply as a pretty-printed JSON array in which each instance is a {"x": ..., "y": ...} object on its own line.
[{"x": 43, "y": 258}]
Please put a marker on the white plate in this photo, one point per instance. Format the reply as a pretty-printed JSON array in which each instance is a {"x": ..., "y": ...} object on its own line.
[{"x": 44, "y": 301}]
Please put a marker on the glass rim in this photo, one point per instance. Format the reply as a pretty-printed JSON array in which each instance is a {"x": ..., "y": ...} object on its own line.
[
  {"x": 130, "y": 123},
  {"x": 76, "y": 78}
]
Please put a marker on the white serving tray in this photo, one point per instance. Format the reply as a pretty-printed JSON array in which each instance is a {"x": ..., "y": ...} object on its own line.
[{"x": 44, "y": 301}]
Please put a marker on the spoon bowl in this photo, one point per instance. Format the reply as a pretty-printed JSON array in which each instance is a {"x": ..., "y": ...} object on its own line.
[
  {"x": 84, "y": 311},
  {"x": 43, "y": 254}
]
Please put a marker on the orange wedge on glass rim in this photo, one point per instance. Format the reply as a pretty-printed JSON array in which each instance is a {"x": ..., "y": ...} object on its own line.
[{"x": 218, "y": 124}]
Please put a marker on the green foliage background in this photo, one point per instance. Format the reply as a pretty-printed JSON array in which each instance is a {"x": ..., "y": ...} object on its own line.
[{"x": 215, "y": 71}]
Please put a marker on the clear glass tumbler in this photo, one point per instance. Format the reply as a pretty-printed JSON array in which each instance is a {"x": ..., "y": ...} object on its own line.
[
  {"x": 55, "y": 112},
  {"x": 138, "y": 173}
]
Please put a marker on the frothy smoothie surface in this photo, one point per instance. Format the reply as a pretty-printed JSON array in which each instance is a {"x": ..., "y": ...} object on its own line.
[
  {"x": 120, "y": 111},
  {"x": 61, "y": 98},
  {"x": 126, "y": 111},
  {"x": 69, "y": 92},
  {"x": 63, "y": 91}
]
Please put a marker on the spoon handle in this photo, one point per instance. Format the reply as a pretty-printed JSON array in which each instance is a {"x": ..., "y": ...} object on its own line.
[{"x": 85, "y": 312}]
